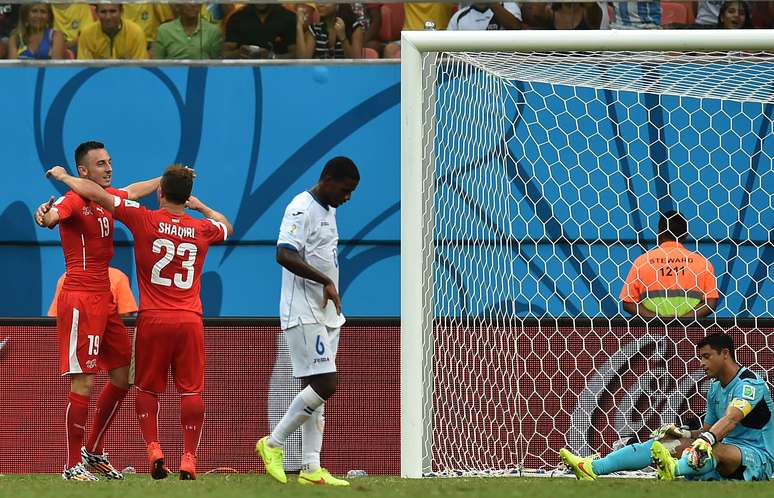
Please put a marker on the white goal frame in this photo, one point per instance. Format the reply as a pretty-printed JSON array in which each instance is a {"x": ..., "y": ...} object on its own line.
[{"x": 416, "y": 271}]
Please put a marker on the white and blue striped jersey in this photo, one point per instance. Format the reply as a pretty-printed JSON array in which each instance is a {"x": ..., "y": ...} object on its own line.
[
  {"x": 309, "y": 228},
  {"x": 637, "y": 15}
]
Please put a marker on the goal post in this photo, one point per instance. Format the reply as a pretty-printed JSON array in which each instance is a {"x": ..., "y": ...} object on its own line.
[{"x": 495, "y": 130}]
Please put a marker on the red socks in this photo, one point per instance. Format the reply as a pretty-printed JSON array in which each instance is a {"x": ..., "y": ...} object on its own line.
[
  {"x": 192, "y": 420},
  {"x": 108, "y": 403},
  {"x": 147, "y": 406},
  {"x": 75, "y": 420}
]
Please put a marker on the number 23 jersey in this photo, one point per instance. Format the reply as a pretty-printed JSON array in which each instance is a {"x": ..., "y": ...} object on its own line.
[{"x": 169, "y": 250}]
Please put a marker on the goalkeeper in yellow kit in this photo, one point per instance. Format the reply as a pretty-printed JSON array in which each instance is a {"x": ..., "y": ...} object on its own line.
[{"x": 736, "y": 441}]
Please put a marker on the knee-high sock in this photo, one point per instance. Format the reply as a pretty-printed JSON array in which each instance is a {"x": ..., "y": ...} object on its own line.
[
  {"x": 192, "y": 420},
  {"x": 632, "y": 457},
  {"x": 108, "y": 403},
  {"x": 311, "y": 440},
  {"x": 75, "y": 421},
  {"x": 683, "y": 469},
  {"x": 147, "y": 407},
  {"x": 301, "y": 408}
]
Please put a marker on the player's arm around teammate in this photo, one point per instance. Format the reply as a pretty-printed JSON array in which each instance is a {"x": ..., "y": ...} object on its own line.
[
  {"x": 46, "y": 217},
  {"x": 83, "y": 187},
  {"x": 90, "y": 190},
  {"x": 90, "y": 333}
]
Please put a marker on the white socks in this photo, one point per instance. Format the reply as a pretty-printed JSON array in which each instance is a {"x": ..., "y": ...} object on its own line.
[
  {"x": 300, "y": 410},
  {"x": 311, "y": 440}
]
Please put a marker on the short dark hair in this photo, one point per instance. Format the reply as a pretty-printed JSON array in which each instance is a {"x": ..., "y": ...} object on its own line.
[
  {"x": 84, "y": 148},
  {"x": 718, "y": 341},
  {"x": 672, "y": 226},
  {"x": 177, "y": 183},
  {"x": 339, "y": 168},
  {"x": 104, "y": 4}
]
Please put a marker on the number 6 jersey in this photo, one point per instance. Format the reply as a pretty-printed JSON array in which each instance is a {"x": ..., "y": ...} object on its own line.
[{"x": 169, "y": 250}]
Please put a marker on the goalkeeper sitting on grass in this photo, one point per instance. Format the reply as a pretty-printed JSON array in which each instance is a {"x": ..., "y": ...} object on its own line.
[{"x": 736, "y": 441}]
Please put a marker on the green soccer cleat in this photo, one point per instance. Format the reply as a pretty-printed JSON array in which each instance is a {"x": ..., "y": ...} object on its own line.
[
  {"x": 665, "y": 464},
  {"x": 273, "y": 459},
  {"x": 320, "y": 477},
  {"x": 581, "y": 467}
]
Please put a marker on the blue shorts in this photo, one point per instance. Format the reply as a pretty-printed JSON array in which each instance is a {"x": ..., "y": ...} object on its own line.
[{"x": 757, "y": 467}]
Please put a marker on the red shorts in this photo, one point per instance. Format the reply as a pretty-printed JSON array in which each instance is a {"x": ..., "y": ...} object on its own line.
[
  {"x": 167, "y": 340},
  {"x": 92, "y": 336}
]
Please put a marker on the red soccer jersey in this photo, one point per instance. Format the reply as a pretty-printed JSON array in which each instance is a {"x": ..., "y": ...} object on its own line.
[
  {"x": 86, "y": 231},
  {"x": 169, "y": 250}
]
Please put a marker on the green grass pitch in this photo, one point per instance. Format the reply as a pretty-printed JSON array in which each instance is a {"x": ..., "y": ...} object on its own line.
[{"x": 257, "y": 486}]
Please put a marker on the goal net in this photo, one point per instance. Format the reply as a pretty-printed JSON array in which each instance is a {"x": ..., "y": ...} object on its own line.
[{"x": 531, "y": 182}]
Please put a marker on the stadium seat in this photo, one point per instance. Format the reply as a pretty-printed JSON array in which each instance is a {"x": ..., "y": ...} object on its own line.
[
  {"x": 369, "y": 53},
  {"x": 674, "y": 13},
  {"x": 392, "y": 22}
]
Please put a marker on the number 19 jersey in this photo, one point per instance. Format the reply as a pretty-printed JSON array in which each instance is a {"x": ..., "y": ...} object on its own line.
[
  {"x": 169, "y": 250},
  {"x": 86, "y": 231}
]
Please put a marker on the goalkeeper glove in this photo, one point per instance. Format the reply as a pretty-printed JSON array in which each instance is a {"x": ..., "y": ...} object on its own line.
[
  {"x": 700, "y": 451},
  {"x": 670, "y": 431}
]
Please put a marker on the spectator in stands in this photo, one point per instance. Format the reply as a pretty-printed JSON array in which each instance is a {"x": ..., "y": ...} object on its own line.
[
  {"x": 9, "y": 15},
  {"x": 338, "y": 34},
  {"x": 371, "y": 38},
  {"x": 417, "y": 14},
  {"x": 415, "y": 17},
  {"x": 149, "y": 16},
  {"x": 260, "y": 31},
  {"x": 763, "y": 15},
  {"x": 34, "y": 36},
  {"x": 119, "y": 287},
  {"x": 707, "y": 14},
  {"x": 486, "y": 16},
  {"x": 112, "y": 37},
  {"x": 637, "y": 15},
  {"x": 575, "y": 16},
  {"x": 70, "y": 19},
  {"x": 217, "y": 13},
  {"x": 188, "y": 37},
  {"x": 735, "y": 15},
  {"x": 670, "y": 281}
]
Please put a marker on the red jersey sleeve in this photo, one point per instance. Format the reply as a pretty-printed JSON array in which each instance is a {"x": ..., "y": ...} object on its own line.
[
  {"x": 123, "y": 194},
  {"x": 130, "y": 213},
  {"x": 68, "y": 204},
  {"x": 214, "y": 231}
]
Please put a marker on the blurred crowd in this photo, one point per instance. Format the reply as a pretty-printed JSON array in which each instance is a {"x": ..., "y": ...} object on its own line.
[{"x": 321, "y": 31}]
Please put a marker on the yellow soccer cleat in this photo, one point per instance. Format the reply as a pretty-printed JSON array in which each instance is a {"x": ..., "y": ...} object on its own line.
[
  {"x": 664, "y": 463},
  {"x": 581, "y": 467},
  {"x": 321, "y": 477},
  {"x": 273, "y": 459}
]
